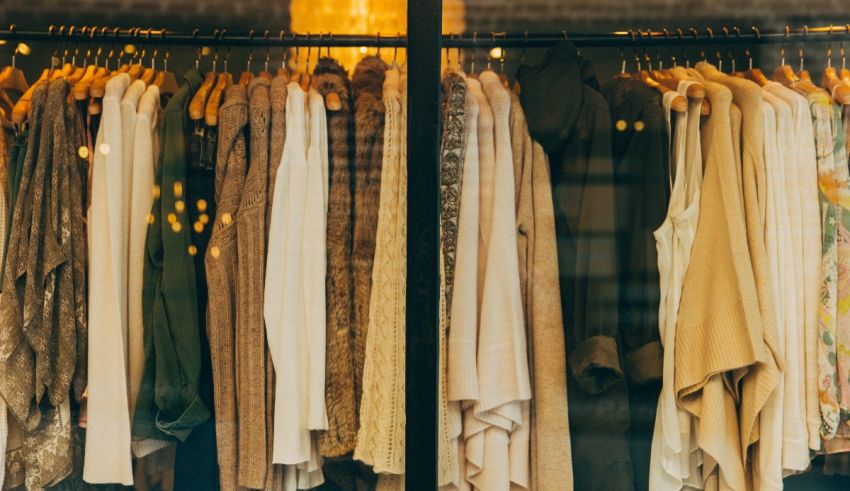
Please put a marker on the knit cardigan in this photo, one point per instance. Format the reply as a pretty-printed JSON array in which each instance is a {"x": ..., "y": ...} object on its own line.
[
  {"x": 804, "y": 180},
  {"x": 550, "y": 452},
  {"x": 761, "y": 380},
  {"x": 222, "y": 273},
  {"x": 366, "y": 85},
  {"x": 719, "y": 319},
  {"x": 380, "y": 439}
]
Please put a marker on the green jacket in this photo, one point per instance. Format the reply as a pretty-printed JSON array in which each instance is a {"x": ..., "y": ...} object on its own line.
[{"x": 168, "y": 406}]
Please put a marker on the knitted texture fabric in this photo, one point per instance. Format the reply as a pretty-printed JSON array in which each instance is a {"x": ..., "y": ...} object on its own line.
[
  {"x": 367, "y": 82},
  {"x": 277, "y": 137},
  {"x": 380, "y": 440},
  {"x": 250, "y": 339},
  {"x": 221, "y": 267},
  {"x": 339, "y": 439}
]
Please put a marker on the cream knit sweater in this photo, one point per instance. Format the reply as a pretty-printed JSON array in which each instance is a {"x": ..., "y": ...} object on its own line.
[
  {"x": 461, "y": 367},
  {"x": 804, "y": 179},
  {"x": 107, "y": 452},
  {"x": 498, "y": 428},
  {"x": 380, "y": 439},
  {"x": 795, "y": 450}
]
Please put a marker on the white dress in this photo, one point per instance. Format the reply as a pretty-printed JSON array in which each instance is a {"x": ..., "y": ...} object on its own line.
[{"x": 675, "y": 458}]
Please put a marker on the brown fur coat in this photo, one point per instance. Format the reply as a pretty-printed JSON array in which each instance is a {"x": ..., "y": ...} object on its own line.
[
  {"x": 341, "y": 435},
  {"x": 367, "y": 87}
]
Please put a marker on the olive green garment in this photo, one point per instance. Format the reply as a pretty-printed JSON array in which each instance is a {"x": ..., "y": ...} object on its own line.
[{"x": 169, "y": 406}]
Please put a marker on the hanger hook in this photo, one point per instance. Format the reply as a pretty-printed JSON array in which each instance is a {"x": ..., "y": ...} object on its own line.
[
  {"x": 378, "y": 43},
  {"x": 395, "y": 48},
  {"x": 227, "y": 52},
  {"x": 829, "y": 47},
  {"x": 524, "y": 45},
  {"x": 319, "y": 51},
  {"x": 250, "y": 50},
  {"x": 489, "y": 57},
  {"x": 802, "y": 54},
  {"x": 474, "y": 50}
]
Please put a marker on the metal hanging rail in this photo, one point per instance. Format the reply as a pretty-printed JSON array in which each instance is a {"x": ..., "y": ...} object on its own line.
[{"x": 222, "y": 37}]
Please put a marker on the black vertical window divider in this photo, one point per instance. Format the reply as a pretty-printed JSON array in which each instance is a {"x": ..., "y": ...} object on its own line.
[{"x": 424, "y": 31}]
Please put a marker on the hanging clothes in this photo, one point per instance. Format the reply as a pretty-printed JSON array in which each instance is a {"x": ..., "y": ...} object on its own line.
[
  {"x": 380, "y": 439},
  {"x": 108, "y": 421},
  {"x": 550, "y": 453},
  {"x": 452, "y": 148},
  {"x": 145, "y": 150},
  {"x": 250, "y": 333},
  {"x": 44, "y": 342},
  {"x": 340, "y": 438},
  {"x": 461, "y": 370},
  {"x": 497, "y": 425},
  {"x": 676, "y": 459},
  {"x": 221, "y": 267},
  {"x": 571, "y": 120},
  {"x": 169, "y": 292},
  {"x": 285, "y": 306},
  {"x": 366, "y": 86}
]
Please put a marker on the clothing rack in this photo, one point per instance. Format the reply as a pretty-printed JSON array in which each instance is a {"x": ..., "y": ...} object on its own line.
[
  {"x": 424, "y": 44},
  {"x": 221, "y": 37}
]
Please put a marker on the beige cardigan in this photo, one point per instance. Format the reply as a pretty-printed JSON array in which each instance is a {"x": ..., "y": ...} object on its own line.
[
  {"x": 760, "y": 382},
  {"x": 550, "y": 452},
  {"x": 719, "y": 320}
]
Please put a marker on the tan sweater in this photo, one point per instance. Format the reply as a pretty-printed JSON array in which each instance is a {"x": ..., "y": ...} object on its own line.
[
  {"x": 719, "y": 324},
  {"x": 221, "y": 268},
  {"x": 762, "y": 379},
  {"x": 550, "y": 453}
]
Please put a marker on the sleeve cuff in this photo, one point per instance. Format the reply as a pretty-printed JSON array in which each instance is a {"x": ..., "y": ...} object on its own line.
[
  {"x": 646, "y": 363},
  {"x": 194, "y": 415},
  {"x": 595, "y": 364}
]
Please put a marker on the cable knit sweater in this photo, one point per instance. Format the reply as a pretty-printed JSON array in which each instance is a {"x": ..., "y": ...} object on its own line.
[
  {"x": 250, "y": 221},
  {"x": 221, "y": 268},
  {"x": 366, "y": 87},
  {"x": 380, "y": 440}
]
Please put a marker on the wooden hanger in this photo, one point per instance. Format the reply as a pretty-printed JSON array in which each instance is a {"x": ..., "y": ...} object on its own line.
[
  {"x": 13, "y": 78},
  {"x": 22, "y": 107},
  {"x": 680, "y": 103},
  {"x": 199, "y": 101},
  {"x": 838, "y": 88},
  {"x": 165, "y": 80},
  {"x": 225, "y": 80},
  {"x": 695, "y": 90}
]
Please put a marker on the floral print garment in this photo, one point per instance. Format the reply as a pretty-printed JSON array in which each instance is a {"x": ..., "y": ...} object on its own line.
[{"x": 829, "y": 193}]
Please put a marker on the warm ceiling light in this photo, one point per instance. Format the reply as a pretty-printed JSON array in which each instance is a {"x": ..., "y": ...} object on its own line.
[
  {"x": 129, "y": 49},
  {"x": 23, "y": 49},
  {"x": 363, "y": 50},
  {"x": 496, "y": 53}
]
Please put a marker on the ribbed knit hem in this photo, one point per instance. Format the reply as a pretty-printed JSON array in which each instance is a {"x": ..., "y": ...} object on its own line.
[
  {"x": 719, "y": 344},
  {"x": 596, "y": 364},
  {"x": 462, "y": 378}
]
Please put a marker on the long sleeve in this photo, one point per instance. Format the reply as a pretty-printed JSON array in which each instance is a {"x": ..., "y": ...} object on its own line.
[
  {"x": 168, "y": 405},
  {"x": 107, "y": 455},
  {"x": 380, "y": 439},
  {"x": 221, "y": 269}
]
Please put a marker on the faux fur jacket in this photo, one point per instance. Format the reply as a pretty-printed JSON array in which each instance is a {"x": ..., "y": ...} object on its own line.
[
  {"x": 329, "y": 77},
  {"x": 367, "y": 86}
]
